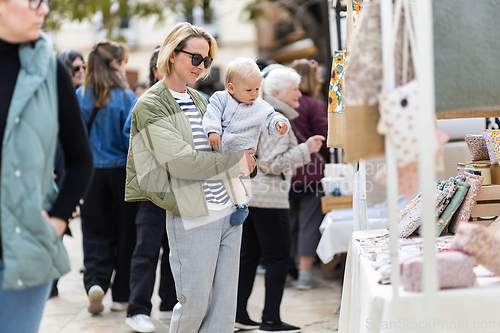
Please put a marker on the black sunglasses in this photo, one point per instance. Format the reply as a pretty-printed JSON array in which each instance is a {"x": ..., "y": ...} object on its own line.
[
  {"x": 77, "y": 68},
  {"x": 197, "y": 59},
  {"x": 35, "y": 4}
]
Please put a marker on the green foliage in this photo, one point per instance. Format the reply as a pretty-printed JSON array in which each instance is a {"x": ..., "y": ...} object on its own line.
[
  {"x": 115, "y": 13},
  {"x": 254, "y": 9}
]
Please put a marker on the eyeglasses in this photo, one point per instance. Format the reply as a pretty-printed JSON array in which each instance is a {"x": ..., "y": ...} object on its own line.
[
  {"x": 77, "y": 68},
  {"x": 35, "y": 4},
  {"x": 197, "y": 59}
]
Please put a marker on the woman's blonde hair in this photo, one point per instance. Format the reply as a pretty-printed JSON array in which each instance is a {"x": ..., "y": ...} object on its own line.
[
  {"x": 176, "y": 41},
  {"x": 101, "y": 76},
  {"x": 243, "y": 68},
  {"x": 311, "y": 80}
]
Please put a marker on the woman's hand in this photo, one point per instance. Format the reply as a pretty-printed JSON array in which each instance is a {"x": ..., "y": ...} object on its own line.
[
  {"x": 314, "y": 143},
  {"x": 59, "y": 224},
  {"x": 247, "y": 162}
]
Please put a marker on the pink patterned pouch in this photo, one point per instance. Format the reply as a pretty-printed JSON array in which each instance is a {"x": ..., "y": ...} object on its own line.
[
  {"x": 480, "y": 242},
  {"x": 464, "y": 211},
  {"x": 477, "y": 147},
  {"x": 454, "y": 271},
  {"x": 489, "y": 139}
]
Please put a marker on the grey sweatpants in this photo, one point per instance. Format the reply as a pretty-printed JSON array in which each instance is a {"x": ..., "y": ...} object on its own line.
[{"x": 205, "y": 266}]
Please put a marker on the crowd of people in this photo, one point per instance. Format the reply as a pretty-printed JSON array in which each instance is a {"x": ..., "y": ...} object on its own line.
[{"x": 219, "y": 184}]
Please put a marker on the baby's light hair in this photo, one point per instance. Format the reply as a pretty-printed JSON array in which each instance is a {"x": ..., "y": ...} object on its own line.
[{"x": 244, "y": 68}]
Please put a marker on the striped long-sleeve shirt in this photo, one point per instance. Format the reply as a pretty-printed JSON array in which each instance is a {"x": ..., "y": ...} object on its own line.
[{"x": 214, "y": 189}]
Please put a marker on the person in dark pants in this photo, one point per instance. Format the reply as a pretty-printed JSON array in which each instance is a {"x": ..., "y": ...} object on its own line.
[
  {"x": 108, "y": 222},
  {"x": 151, "y": 235},
  {"x": 266, "y": 231},
  {"x": 76, "y": 68}
]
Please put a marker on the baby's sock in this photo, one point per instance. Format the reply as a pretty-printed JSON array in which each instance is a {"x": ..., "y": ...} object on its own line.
[{"x": 239, "y": 216}]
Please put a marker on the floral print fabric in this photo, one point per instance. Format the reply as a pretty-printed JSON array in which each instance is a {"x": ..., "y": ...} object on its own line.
[
  {"x": 464, "y": 212},
  {"x": 336, "y": 91},
  {"x": 477, "y": 147},
  {"x": 492, "y": 140},
  {"x": 480, "y": 242},
  {"x": 455, "y": 270},
  {"x": 399, "y": 109},
  {"x": 410, "y": 217}
]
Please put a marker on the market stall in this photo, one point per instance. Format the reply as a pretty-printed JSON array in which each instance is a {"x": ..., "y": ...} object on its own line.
[{"x": 442, "y": 90}]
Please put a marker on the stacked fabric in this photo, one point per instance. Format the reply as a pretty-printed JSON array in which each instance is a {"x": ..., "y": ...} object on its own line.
[{"x": 454, "y": 200}]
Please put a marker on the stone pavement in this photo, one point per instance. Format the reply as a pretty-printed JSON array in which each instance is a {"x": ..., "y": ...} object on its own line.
[{"x": 312, "y": 310}]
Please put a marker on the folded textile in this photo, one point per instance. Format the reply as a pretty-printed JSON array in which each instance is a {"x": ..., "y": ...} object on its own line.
[
  {"x": 410, "y": 217},
  {"x": 464, "y": 211},
  {"x": 455, "y": 270},
  {"x": 492, "y": 141},
  {"x": 452, "y": 207}
]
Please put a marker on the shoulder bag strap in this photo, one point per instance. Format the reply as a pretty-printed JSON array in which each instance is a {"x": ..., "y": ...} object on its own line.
[{"x": 91, "y": 120}]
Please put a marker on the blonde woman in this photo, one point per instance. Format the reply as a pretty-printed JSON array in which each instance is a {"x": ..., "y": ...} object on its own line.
[{"x": 171, "y": 164}]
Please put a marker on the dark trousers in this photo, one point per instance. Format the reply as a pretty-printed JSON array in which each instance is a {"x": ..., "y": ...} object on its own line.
[
  {"x": 266, "y": 233},
  {"x": 108, "y": 229},
  {"x": 151, "y": 235}
]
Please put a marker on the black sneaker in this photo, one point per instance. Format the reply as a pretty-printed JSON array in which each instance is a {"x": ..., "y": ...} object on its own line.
[
  {"x": 278, "y": 327},
  {"x": 246, "y": 324}
]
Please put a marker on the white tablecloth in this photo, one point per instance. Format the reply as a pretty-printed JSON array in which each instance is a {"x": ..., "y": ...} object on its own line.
[
  {"x": 367, "y": 305},
  {"x": 336, "y": 231}
]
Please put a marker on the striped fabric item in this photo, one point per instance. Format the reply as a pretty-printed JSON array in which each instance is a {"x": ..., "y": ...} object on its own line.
[{"x": 214, "y": 189}]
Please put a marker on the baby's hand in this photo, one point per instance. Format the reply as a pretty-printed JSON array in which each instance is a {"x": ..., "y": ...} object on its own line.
[
  {"x": 281, "y": 127},
  {"x": 214, "y": 141}
]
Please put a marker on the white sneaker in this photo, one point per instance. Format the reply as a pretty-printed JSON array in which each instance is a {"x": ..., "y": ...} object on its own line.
[
  {"x": 96, "y": 295},
  {"x": 165, "y": 315},
  {"x": 140, "y": 323},
  {"x": 118, "y": 306}
]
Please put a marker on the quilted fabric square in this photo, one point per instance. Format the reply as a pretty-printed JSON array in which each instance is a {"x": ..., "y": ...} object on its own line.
[{"x": 477, "y": 147}]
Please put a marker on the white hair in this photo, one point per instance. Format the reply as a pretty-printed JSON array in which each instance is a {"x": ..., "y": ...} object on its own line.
[{"x": 279, "y": 79}]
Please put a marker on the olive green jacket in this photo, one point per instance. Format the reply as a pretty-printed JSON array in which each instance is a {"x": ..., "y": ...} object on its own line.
[{"x": 162, "y": 164}]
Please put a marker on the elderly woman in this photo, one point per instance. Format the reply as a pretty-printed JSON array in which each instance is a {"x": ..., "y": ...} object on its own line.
[
  {"x": 38, "y": 105},
  {"x": 306, "y": 192},
  {"x": 170, "y": 163},
  {"x": 266, "y": 231}
]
